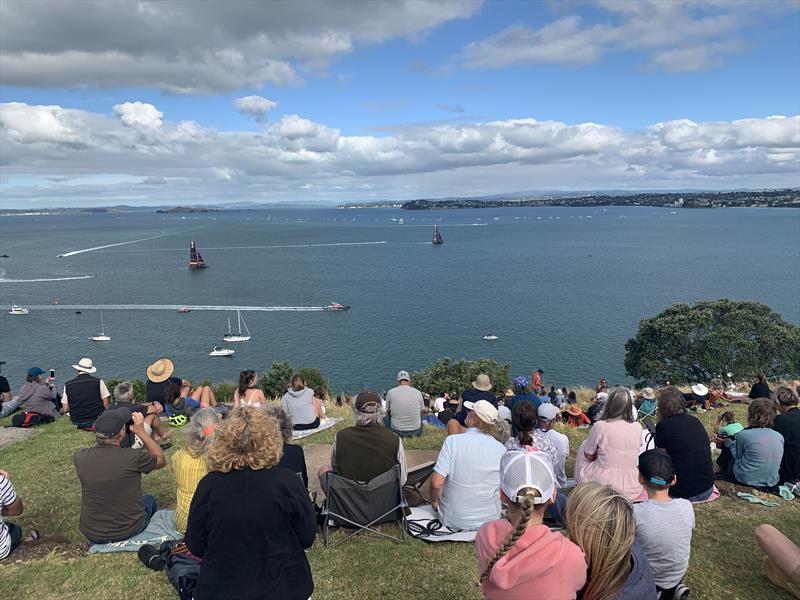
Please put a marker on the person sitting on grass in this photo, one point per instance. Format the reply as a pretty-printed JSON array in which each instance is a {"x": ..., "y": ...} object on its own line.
[
  {"x": 787, "y": 423},
  {"x": 180, "y": 401},
  {"x": 481, "y": 390},
  {"x": 124, "y": 397},
  {"x": 782, "y": 560},
  {"x": 547, "y": 415},
  {"x": 250, "y": 522},
  {"x": 664, "y": 525},
  {"x": 600, "y": 521},
  {"x": 465, "y": 482},
  {"x": 11, "y": 506},
  {"x": 189, "y": 463},
  {"x": 39, "y": 396},
  {"x": 7, "y": 404},
  {"x": 760, "y": 388},
  {"x": 301, "y": 405},
  {"x": 247, "y": 393},
  {"x": 597, "y": 405},
  {"x": 112, "y": 505},
  {"x": 575, "y": 417},
  {"x": 293, "y": 457},
  {"x": 518, "y": 556},
  {"x": 524, "y": 418},
  {"x": 697, "y": 398},
  {"x": 160, "y": 377},
  {"x": 84, "y": 396},
  {"x": 404, "y": 407},
  {"x": 610, "y": 454},
  {"x": 365, "y": 450},
  {"x": 757, "y": 451}
]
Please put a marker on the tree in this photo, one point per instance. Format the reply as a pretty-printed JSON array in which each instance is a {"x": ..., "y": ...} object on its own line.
[
  {"x": 314, "y": 378},
  {"x": 274, "y": 381},
  {"x": 454, "y": 377},
  {"x": 687, "y": 344}
]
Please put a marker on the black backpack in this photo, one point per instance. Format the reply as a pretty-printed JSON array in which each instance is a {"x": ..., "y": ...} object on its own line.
[
  {"x": 182, "y": 569},
  {"x": 30, "y": 419}
]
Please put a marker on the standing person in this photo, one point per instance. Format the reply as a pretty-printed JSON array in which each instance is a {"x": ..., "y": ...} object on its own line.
[
  {"x": 293, "y": 457},
  {"x": 481, "y": 390},
  {"x": 247, "y": 394},
  {"x": 522, "y": 393},
  {"x": 684, "y": 438},
  {"x": 600, "y": 521},
  {"x": 788, "y": 425},
  {"x": 249, "y": 521},
  {"x": 301, "y": 405},
  {"x": 610, "y": 454},
  {"x": 189, "y": 463},
  {"x": 39, "y": 396},
  {"x": 7, "y": 404},
  {"x": 404, "y": 406},
  {"x": 547, "y": 414},
  {"x": 518, "y": 556},
  {"x": 11, "y": 506},
  {"x": 760, "y": 388},
  {"x": 664, "y": 525},
  {"x": 465, "y": 483},
  {"x": 536, "y": 380},
  {"x": 84, "y": 396},
  {"x": 112, "y": 505}
]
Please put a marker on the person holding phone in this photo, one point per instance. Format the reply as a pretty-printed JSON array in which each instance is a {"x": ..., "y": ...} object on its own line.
[{"x": 39, "y": 395}]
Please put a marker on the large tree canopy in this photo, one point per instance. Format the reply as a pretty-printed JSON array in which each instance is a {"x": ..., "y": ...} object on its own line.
[{"x": 695, "y": 343}]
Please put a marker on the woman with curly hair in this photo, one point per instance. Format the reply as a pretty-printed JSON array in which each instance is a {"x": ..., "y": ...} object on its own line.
[
  {"x": 518, "y": 556},
  {"x": 249, "y": 522},
  {"x": 600, "y": 521}
]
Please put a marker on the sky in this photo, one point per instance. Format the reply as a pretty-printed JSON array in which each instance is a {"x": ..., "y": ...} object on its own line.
[{"x": 177, "y": 102}]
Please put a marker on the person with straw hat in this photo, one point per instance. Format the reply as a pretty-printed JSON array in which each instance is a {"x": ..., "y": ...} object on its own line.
[
  {"x": 575, "y": 417},
  {"x": 481, "y": 389},
  {"x": 159, "y": 377},
  {"x": 85, "y": 397},
  {"x": 160, "y": 380}
]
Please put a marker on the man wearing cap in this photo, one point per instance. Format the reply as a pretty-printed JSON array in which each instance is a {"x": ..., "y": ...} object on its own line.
[
  {"x": 112, "y": 505},
  {"x": 546, "y": 415},
  {"x": 38, "y": 396},
  {"x": 7, "y": 405},
  {"x": 85, "y": 397},
  {"x": 366, "y": 449},
  {"x": 465, "y": 483},
  {"x": 404, "y": 407},
  {"x": 481, "y": 390},
  {"x": 159, "y": 377}
]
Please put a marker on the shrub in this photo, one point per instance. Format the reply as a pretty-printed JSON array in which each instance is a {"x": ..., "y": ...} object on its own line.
[
  {"x": 274, "y": 381},
  {"x": 224, "y": 392},
  {"x": 454, "y": 377},
  {"x": 314, "y": 378}
]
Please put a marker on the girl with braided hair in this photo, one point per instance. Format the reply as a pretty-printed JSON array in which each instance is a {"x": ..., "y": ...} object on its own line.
[{"x": 518, "y": 556}]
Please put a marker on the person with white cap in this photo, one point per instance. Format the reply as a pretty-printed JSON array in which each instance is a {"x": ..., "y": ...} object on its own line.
[
  {"x": 404, "y": 407},
  {"x": 465, "y": 482},
  {"x": 547, "y": 414},
  {"x": 481, "y": 389},
  {"x": 697, "y": 399},
  {"x": 518, "y": 556},
  {"x": 84, "y": 397}
]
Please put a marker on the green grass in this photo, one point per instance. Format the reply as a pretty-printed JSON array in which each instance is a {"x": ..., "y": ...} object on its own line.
[{"x": 725, "y": 560}]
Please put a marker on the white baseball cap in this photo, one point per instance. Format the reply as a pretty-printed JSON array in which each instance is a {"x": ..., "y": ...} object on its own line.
[
  {"x": 547, "y": 411},
  {"x": 527, "y": 469},
  {"x": 484, "y": 409}
]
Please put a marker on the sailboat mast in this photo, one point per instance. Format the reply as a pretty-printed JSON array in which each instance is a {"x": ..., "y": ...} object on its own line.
[
  {"x": 102, "y": 325},
  {"x": 229, "y": 325},
  {"x": 239, "y": 319}
]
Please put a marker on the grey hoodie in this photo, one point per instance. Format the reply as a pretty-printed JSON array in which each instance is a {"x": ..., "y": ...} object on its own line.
[{"x": 299, "y": 406}]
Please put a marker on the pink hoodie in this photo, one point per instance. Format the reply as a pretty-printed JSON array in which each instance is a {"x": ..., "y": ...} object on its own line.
[{"x": 540, "y": 565}]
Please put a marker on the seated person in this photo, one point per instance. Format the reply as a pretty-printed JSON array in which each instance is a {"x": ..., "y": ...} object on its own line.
[
  {"x": 536, "y": 562},
  {"x": 727, "y": 426},
  {"x": 179, "y": 401},
  {"x": 84, "y": 396},
  {"x": 522, "y": 391},
  {"x": 787, "y": 423},
  {"x": 189, "y": 463},
  {"x": 450, "y": 411},
  {"x": 546, "y": 419},
  {"x": 112, "y": 505},
  {"x": 697, "y": 399},
  {"x": 664, "y": 524},
  {"x": 38, "y": 396},
  {"x": 7, "y": 403},
  {"x": 11, "y": 506},
  {"x": 647, "y": 404},
  {"x": 301, "y": 405},
  {"x": 248, "y": 393},
  {"x": 596, "y": 407},
  {"x": 293, "y": 457},
  {"x": 124, "y": 397},
  {"x": 160, "y": 377},
  {"x": 524, "y": 419},
  {"x": 760, "y": 388},
  {"x": 575, "y": 417},
  {"x": 757, "y": 451},
  {"x": 404, "y": 407},
  {"x": 465, "y": 483},
  {"x": 782, "y": 560},
  {"x": 365, "y": 450},
  {"x": 481, "y": 390}
]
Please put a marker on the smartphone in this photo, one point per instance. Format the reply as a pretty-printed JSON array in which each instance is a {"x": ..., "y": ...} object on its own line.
[{"x": 52, "y": 373}]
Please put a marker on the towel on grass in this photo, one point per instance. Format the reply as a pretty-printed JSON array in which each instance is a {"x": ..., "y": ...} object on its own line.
[
  {"x": 326, "y": 424},
  {"x": 160, "y": 529}
]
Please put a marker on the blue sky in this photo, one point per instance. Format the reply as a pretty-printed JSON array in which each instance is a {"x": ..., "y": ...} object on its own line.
[{"x": 388, "y": 100}]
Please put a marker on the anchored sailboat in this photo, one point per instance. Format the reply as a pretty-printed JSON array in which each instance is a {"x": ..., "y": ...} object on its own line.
[
  {"x": 234, "y": 337},
  {"x": 195, "y": 260},
  {"x": 101, "y": 337},
  {"x": 437, "y": 237}
]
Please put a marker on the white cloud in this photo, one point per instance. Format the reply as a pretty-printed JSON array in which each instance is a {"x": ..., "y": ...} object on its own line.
[
  {"x": 297, "y": 157},
  {"x": 255, "y": 106},
  {"x": 198, "y": 47}
]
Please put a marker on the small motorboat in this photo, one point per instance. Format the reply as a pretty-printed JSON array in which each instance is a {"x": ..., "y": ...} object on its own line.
[
  {"x": 78, "y": 312},
  {"x": 18, "y": 310},
  {"x": 337, "y": 306},
  {"x": 217, "y": 351},
  {"x": 183, "y": 310},
  {"x": 490, "y": 337}
]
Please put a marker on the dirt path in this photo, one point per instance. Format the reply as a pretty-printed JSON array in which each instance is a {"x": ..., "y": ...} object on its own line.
[{"x": 12, "y": 435}]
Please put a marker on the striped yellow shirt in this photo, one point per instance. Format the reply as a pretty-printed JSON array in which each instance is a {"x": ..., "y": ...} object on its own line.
[{"x": 188, "y": 473}]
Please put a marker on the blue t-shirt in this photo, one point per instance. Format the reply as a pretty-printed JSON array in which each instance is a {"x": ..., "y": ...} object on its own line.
[
  {"x": 527, "y": 397},
  {"x": 473, "y": 395},
  {"x": 190, "y": 403},
  {"x": 757, "y": 454}
]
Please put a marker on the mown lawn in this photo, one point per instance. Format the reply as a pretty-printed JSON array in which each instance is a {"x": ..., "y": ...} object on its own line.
[{"x": 726, "y": 563}]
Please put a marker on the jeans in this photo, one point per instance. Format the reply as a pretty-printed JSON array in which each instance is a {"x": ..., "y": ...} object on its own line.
[
  {"x": 702, "y": 496},
  {"x": 411, "y": 433},
  {"x": 15, "y": 532},
  {"x": 9, "y": 407},
  {"x": 150, "y": 508},
  {"x": 556, "y": 510}
]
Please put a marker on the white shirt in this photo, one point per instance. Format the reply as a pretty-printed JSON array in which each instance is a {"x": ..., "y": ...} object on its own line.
[
  {"x": 561, "y": 443},
  {"x": 7, "y": 497},
  {"x": 438, "y": 405}
]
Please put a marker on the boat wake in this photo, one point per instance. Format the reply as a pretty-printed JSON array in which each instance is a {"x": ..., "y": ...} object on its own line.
[
  {"x": 175, "y": 307},
  {"x": 74, "y": 252},
  {"x": 323, "y": 245},
  {"x": 4, "y": 280}
]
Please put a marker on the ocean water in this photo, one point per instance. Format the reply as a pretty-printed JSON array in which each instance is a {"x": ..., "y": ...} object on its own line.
[{"x": 563, "y": 288}]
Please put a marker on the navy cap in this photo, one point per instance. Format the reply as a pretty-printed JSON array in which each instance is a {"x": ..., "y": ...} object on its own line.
[{"x": 35, "y": 372}]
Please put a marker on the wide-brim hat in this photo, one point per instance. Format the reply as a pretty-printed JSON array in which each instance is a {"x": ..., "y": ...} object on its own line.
[
  {"x": 161, "y": 370},
  {"x": 699, "y": 389},
  {"x": 575, "y": 410},
  {"x": 85, "y": 366},
  {"x": 648, "y": 393},
  {"x": 482, "y": 383},
  {"x": 509, "y": 393}
]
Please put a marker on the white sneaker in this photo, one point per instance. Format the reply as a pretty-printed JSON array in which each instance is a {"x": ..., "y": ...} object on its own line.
[{"x": 681, "y": 592}]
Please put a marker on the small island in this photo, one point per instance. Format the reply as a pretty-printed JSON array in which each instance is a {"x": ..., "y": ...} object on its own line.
[{"x": 185, "y": 209}]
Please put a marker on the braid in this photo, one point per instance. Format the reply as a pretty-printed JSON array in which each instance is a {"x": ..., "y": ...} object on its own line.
[{"x": 526, "y": 509}]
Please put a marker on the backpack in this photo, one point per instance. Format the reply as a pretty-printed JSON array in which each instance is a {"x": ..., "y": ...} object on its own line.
[
  {"x": 30, "y": 419},
  {"x": 182, "y": 569}
]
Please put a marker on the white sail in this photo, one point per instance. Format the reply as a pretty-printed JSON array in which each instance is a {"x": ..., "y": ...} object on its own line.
[{"x": 101, "y": 337}]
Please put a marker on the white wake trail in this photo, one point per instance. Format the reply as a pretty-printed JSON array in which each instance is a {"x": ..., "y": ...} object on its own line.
[
  {"x": 174, "y": 307},
  {"x": 204, "y": 248},
  {"x": 3, "y": 280},
  {"x": 74, "y": 252}
]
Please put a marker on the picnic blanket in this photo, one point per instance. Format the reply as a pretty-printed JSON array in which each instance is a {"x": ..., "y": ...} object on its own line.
[
  {"x": 423, "y": 524},
  {"x": 160, "y": 529},
  {"x": 326, "y": 424}
]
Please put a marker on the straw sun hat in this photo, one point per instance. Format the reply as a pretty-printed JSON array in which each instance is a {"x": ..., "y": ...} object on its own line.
[{"x": 161, "y": 370}]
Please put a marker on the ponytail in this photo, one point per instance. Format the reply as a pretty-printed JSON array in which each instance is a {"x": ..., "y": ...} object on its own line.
[{"x": 244, "y": 382}]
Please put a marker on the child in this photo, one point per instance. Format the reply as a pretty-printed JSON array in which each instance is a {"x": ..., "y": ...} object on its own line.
[
  {"x": 519, "y": 557},
  {"x": 663, "y": 524},
  {"x": 730, "y": 428}
]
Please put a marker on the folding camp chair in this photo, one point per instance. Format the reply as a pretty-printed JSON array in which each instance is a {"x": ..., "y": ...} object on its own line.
[
  {"x": 416, "y": 479},
  {"x": 360, "y": 505}
]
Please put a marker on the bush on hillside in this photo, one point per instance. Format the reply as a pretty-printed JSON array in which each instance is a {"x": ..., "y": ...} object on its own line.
[
  {"x": 139, "y": 392},
  {"x": 224, "y": 392},
  {"x": 314, "y": 378},
  {"x": 686, "y": 344},
  {"x": 274, "y": 381},
  {"x": 454, "y": 377}
]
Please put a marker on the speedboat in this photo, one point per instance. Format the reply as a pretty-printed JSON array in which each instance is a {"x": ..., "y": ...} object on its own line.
[
  {"x": 217, "y": 351},
  {"x": 490, "y": 337},
  {"x": 18, "y": 310},
  {"x": 337, "y": 306},
  {"x": 183, "y": 310}
]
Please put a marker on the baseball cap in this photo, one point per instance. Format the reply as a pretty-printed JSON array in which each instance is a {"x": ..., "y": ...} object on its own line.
[
  {"x": 34, "y": 372},
  {"x": 547, "y": 411},
  {"x": 656, "y": 467},
  {"x": 527, "y": 469},
  {"x": 403, "y": 375},
  {"x": 484, "y": 409},
  {"x": 111, "y": 421},
  {"x": 368, "y": 402}
]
